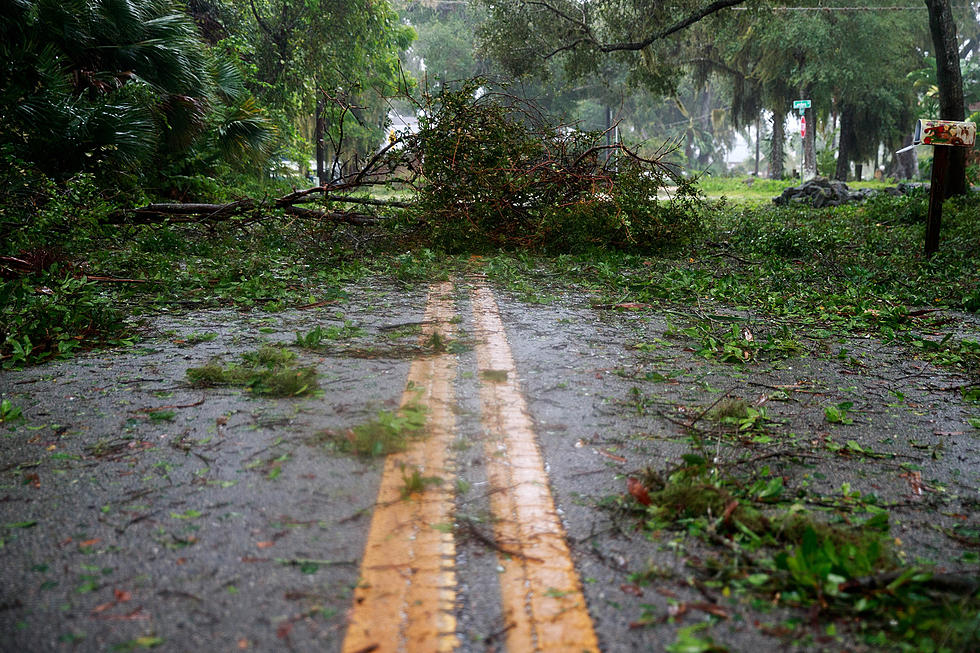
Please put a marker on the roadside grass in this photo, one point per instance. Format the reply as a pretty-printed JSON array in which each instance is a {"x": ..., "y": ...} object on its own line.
[
  {"x": 762, "y": 190},
  {"x": 812, "y": 275},
  {"x": 87, "y": 291}
]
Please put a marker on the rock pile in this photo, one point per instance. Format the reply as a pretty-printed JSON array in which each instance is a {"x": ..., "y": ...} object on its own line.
[{"x": 820, "y": 192}]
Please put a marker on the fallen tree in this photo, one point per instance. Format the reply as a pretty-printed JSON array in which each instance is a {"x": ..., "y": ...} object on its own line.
[
  {"x": 379, "y": 170},
  {"x": 498, "y": 173},
  {"x": 490, "y": 170}
]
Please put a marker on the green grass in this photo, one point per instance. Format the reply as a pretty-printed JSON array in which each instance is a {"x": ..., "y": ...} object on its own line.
[
  {"x": 757, "y": 190},
  {"x": 810, "y": 272}
]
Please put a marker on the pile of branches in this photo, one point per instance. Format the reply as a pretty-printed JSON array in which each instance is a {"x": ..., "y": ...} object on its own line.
[{"x": 498, "y": 174}]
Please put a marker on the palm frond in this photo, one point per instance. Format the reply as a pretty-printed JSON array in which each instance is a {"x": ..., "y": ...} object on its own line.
[
  {"x": 228, "y": 79},
  {"x": 244, "y": 132}
]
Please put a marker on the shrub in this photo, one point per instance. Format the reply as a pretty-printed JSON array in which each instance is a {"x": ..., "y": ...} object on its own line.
[{"x": 53, "y": 315}]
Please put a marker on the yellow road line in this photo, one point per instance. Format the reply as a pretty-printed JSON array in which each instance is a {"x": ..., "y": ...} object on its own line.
[
  {"x": 543, "y": 605},
  {"x": 406, "y": 598}
]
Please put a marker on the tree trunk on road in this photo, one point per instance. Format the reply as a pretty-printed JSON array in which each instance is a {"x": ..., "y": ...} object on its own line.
[{"x": 952, "y": 105}]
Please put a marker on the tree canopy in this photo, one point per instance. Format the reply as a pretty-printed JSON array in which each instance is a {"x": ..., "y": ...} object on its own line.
[
  {"x": 140, "y": 86},
  {"x": 853, "y": 62}
]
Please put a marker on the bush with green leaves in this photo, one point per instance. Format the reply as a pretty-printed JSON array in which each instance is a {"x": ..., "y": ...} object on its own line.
[
  {"x": 52, "y": 315},
  {"x": 38, "y": 214},
  {"x": 498, "y": 174},
  {"x": 122, "y": 89},
  {"x": 48, "y": 307}
]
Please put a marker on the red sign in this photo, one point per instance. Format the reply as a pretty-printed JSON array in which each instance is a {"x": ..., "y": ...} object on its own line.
[{"x": 802, "y": 126}]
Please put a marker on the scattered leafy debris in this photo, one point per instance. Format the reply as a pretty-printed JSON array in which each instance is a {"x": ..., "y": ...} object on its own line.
[
  {"x": 416, "y": 483},
  {"x": 387, "y": 433},
  {"x": 768, "y": 542},
  {"x": 269, "y": 371},
  {"x": 316, "y": 337},
  {"x": 9, "y": 412}
]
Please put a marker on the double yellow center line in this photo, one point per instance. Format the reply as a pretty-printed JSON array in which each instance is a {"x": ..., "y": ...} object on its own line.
[{"x": 406, "y": 598}]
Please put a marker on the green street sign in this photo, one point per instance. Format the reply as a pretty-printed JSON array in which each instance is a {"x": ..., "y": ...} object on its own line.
[{"x": 801, "y": 104}]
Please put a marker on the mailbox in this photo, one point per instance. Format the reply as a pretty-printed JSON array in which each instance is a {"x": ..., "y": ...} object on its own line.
[
  {"x": 948, "y": 133},
  {"x": 945, "y": 132}
]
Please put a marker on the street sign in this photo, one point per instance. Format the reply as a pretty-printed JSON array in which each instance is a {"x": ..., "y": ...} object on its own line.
[
  {"x": 803, "y": 127},
  {"x": 801, "y": 104}
]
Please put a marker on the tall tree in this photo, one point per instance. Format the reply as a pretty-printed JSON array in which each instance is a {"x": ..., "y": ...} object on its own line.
[
  {"x": 849, "y": 59},
  {"x": 445, "y": 48},
  {"x": 777, "y": 152},
  {"x": 524, "y": 35},
  {"x": 950, "y": 80},
  {"x": 325, "y": 67}
]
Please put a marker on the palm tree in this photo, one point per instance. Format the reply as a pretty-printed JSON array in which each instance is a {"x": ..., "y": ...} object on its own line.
[{"x": 99, "y": 83}]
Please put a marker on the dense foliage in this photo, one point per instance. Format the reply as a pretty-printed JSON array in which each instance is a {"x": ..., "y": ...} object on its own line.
[
  {"x": 99, "y": 84},
  {"x": 497, "y": 173},
  {"x": 309, "y": 59},
  {"x": 852, "y": 61},
  {"x": 166, "y": 97}
]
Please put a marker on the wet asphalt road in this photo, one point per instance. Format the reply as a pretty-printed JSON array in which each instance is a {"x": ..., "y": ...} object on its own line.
[{"x": 138, "y": 512}]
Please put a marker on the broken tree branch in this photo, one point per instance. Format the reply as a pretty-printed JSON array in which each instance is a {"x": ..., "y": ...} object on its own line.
[
  {"x": 194, "y": 212},
  {"x": 367, "y": 200},
  {"x": 177, "y": 212}
]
